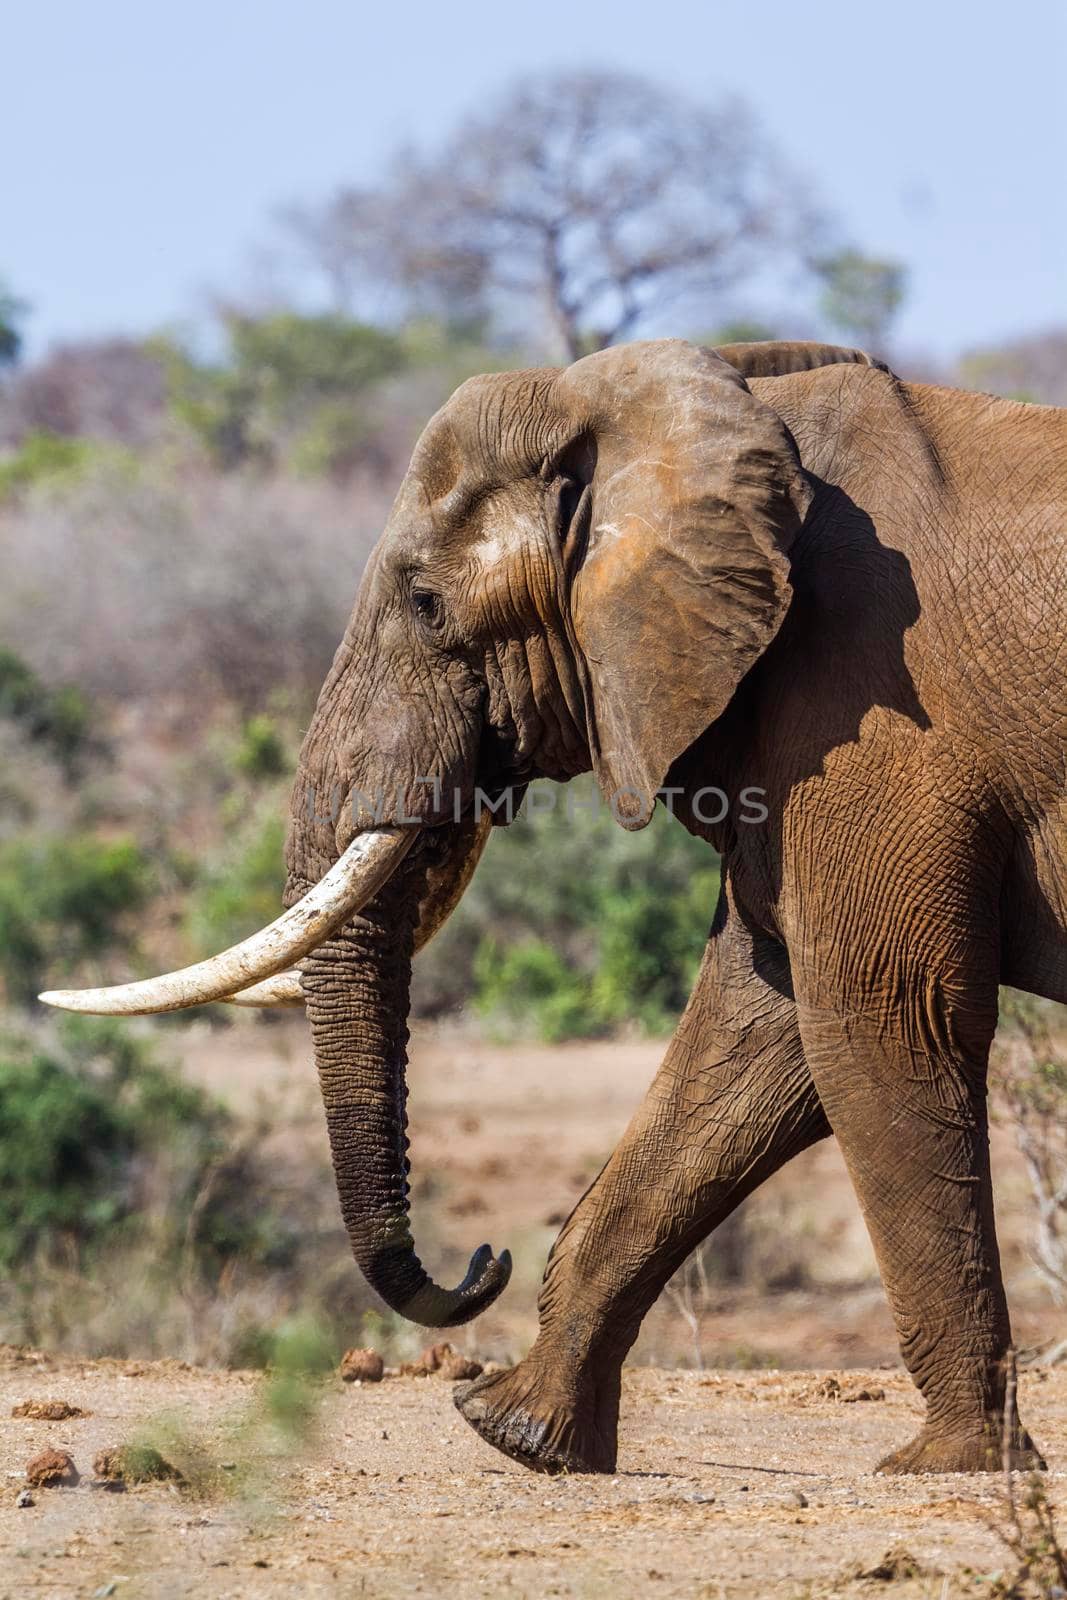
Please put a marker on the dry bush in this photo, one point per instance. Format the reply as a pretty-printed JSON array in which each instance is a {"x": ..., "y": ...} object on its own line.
[
  {"x": 1025, "y": 1524},
  {"x": 1034, "y": 368},
  {"x": 111, "y": 389},
  {"x": 171, "y": 585}
]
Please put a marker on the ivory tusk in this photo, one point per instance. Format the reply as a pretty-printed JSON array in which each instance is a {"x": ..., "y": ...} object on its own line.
[
  {"x": 365, "y": 865},
  {"x": 283, "y": 989},
  {"x": 444, "y": 889}
]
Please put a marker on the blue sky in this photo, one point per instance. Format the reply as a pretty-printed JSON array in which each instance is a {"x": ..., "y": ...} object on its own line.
[{"x": 144, "y": 146}]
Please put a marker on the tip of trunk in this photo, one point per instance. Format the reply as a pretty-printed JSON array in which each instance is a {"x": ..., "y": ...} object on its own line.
[{"x": 434, "y": 1307}]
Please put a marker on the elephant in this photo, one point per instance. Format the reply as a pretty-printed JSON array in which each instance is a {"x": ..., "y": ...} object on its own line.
[{"x": 773, "y": 568}]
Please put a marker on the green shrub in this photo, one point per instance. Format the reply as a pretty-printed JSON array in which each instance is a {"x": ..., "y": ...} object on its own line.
[
  {"x": 530, "y": 983},
  {"x": 280, "y": 369},
  {"x": 261, "y": 752},
  {"x": 572, "y": 926},
  {"x": 12, "y": 311},
  {"x": 63, "y": 901},
  {"x": 40, "y": 457},
  {"x": 63, "y": 1148},
  {"x": 651, "y": 942},
  {"x": 295, "y": 1353},
  {"x": 242, "y": 890},
  {"x": 746, "y": 330},
  {"x": 293, "y": 360},
  {"x": 44, "y": 457},
  {"x": 59, "y": 718},
  {"x": 333, "y": 440},
  {"x": 99, "y": 1143}
]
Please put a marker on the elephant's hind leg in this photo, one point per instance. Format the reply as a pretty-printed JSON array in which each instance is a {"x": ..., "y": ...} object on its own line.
[
  {"x": 732, "y": 1102},
  {"x": 897, "y": 1011}
]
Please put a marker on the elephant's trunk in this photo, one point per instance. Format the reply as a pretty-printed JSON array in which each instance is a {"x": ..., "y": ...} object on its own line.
[{"x": 357, "y": 989}]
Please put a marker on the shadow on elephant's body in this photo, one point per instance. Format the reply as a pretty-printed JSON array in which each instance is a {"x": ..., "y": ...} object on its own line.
[{"x": 839, "y": 656}]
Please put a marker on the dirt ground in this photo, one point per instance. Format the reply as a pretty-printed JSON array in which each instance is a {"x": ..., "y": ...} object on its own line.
[{"x": 729, "y": 1485}]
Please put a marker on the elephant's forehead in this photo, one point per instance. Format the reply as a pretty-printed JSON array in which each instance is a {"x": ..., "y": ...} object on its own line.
[
  {"x": 492, "y": 435},
  {"x": 494, "y": 427},
  {"x": 422, "y": 528}
]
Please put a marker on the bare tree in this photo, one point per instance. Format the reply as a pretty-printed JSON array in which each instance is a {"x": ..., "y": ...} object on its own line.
[
  {"x": 383, "y": 254},
  {"x": 594, "y": 200}
]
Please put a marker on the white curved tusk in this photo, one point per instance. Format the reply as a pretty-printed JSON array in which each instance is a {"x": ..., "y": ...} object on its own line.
[
  {"x": 366, "y": 864},
  {"x": 284, "y": 989},
  {"x": 443, "y": 893}
]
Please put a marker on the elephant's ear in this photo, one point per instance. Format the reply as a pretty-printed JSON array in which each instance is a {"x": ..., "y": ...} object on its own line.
[
  {"x": 777, "y": 358},
  {"x": 697, "y": 493}
]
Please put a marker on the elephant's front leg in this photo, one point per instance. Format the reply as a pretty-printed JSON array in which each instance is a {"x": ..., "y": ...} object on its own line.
[{"x": 732, "y": 1102}]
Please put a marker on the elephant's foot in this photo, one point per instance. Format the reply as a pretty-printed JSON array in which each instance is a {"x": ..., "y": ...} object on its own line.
[
  {"x": 933, "y": 1451},
  {"x": 517, "y": 1413}
]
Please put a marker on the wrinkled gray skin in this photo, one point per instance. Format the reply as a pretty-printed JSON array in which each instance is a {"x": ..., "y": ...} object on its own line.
[{"x": 842, "y": 589}]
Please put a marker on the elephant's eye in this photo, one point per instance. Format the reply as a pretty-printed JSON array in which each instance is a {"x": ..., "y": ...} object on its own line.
[{"x": 427, "y": 606}]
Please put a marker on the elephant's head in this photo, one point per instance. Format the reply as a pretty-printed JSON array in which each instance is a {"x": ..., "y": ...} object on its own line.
[{"x": 580, "y": 566}]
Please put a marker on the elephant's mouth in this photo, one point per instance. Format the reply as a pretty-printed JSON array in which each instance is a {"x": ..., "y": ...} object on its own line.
[
  {"x": 508, "y": 761},
  {"x": 502, "y": 776}
]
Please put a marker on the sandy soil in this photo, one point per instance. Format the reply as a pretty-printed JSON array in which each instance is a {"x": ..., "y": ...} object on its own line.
[{"x": 729, "y": 1485}]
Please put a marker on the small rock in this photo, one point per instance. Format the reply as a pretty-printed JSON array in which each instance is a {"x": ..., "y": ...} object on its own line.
[
  {"x": 897, "y": 1564},
  {"x": 457, "y": 1367},
  {"x": 134, "y": 1463},
  {"x": 799, "y": 1499},
  {"x": 108, "y": 1465},
  {"x": 52, "y": 1469},
  {"x": 702, "y": 1499},
  {"x": 25, "y": 1499},
  {"x": 48, "y": 1410},
  {"x": 363, "y": 1366},
  {"x": 447, "y": 1362},
  {"x": 435, "y": 1355}
]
